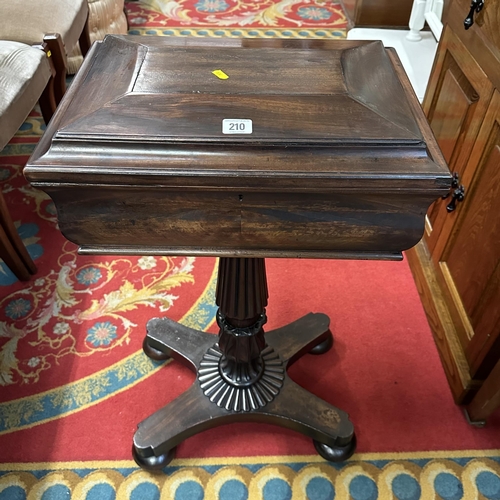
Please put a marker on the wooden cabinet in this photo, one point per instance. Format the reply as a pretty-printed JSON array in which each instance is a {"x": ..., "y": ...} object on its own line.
[
  {"x": 457, "y": 264},
  {"x": 378, "y": 13}
]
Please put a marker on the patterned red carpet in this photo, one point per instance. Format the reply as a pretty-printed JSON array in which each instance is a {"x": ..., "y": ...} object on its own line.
[
  {"x": 263, "y": 18},
  {"x": 74, "y": 381},
  {"x": 237, "y": 13}
]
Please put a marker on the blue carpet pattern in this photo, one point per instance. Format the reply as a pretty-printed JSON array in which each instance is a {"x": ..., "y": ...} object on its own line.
[{"x": 414, "y": 476}]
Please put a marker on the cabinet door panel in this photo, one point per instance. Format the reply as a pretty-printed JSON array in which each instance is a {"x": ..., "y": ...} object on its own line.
[
  {"x": 480, "y": 230},
  {"x": 484, "y": 349},
  {"x": 470, "y": 261},
  {"x": 455, "y": 105},
  {"x": 452, "y": 108}
]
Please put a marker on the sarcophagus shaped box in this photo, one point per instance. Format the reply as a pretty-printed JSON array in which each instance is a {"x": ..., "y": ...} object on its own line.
[{"x": 240, "y": 148}]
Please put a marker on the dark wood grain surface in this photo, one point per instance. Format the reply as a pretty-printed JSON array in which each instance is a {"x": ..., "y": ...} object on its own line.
[
  {"x": 339, "y": 160},
  {"x": 170, "y": 93}
]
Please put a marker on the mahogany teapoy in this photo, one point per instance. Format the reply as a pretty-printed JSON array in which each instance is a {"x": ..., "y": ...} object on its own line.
[{"x": 329, "y": 156}]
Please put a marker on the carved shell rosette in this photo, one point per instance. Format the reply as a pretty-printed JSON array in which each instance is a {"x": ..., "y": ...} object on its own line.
[{"x": 234, "y": 397}]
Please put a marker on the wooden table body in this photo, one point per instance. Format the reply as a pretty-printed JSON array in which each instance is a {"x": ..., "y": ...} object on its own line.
[{"x": 340, "y": 163}]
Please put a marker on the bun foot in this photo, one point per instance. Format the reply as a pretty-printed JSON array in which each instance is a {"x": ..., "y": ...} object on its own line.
[
  {"x": 336, "y": 453},
  {"x": 323, "y": 346},
  {"x": 153, "y": 463},
  {"x": 151, "y": 352}
]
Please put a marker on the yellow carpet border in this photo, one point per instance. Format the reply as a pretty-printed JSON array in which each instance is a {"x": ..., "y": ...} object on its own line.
[
  {"x": 256, "y": 460},
  {"x": 370, "y": 476}
]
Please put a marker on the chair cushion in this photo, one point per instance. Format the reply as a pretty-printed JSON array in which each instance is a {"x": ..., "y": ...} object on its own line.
[
  {"x": 24, "y": 73},
  {"x": 28, "y": 21},
  {"x": 105, "y": 17}
]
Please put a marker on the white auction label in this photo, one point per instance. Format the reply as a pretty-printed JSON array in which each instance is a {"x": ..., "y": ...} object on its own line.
[{"x": 236, "y": 126}]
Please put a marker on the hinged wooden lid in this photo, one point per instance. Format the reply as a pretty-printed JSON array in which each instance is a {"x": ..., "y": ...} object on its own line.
[
  {"x": 142, "y": 90},
  {"x": 325, "y": 114}
]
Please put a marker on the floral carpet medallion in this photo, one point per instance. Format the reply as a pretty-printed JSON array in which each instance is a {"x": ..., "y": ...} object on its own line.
[{"x": 83, "y": 316}]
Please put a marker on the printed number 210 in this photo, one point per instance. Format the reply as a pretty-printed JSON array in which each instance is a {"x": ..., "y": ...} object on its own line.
[{"x": 236, "y": 126}]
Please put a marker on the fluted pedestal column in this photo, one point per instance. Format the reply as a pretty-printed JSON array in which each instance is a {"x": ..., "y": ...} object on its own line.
[{"x": 241, "y": 376}]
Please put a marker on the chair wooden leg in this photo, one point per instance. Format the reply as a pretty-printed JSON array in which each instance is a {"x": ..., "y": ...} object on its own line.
[
  {"x": 126, "y": 17},
  {"x": 84, "y": 40},
  {"x": 13, "y": 247},
  {"x": 58, "y": 56},
  {"x": 47, "y": 100},
  {"x": 11, "y": 258}
]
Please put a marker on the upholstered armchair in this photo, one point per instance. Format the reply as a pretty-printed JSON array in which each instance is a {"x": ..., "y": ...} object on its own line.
[
  {"x": 31, "y": 21},
  {"x": 26, "y": 76},
  {"x": 34, "y": 37},
  {"x": 105, "y": 17}
]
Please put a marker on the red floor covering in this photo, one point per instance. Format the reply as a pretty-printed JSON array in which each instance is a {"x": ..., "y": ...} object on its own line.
[{"x": 384, "y": 370}]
